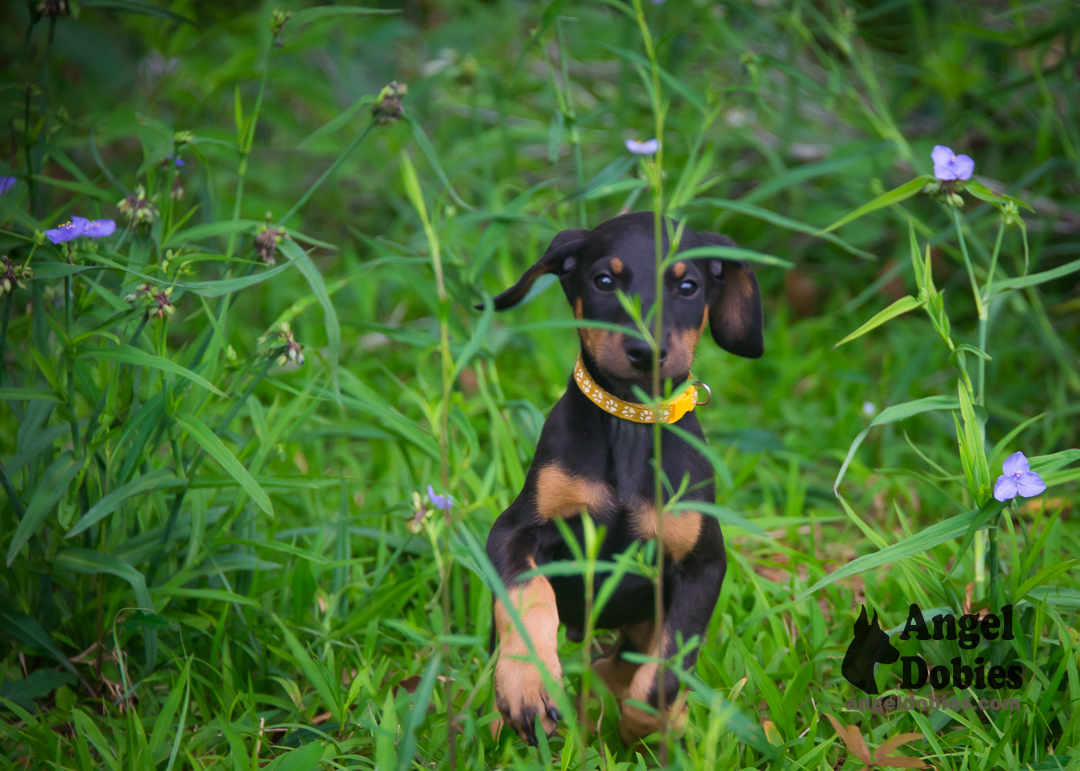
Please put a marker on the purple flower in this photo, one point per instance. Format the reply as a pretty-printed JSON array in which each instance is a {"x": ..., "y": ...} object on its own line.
[
  {"x": 949, "y": 166},
  {"x": 80, "y": 226},
  {"x": 1018, "y": 478},
  {"x": 643, "y": 148},
  {"x": 443, "y": 502},
  {"x": 179, "y": 162},
  {"x": 6, "y": 183}
]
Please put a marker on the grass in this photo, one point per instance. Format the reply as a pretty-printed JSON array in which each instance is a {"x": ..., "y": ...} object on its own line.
[{"x": 208, "y": 554}]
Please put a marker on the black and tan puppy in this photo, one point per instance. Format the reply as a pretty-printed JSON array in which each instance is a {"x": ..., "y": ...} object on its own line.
[{"x": 595, "y": 454}]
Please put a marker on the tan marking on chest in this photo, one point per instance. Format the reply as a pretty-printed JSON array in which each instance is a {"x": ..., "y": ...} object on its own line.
[
  {"x": 681, "y": 531},
  {"x": 560, "y": 494}
]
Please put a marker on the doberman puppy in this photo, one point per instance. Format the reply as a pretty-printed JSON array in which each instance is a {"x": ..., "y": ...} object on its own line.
[{"x": 595, "y": 454}]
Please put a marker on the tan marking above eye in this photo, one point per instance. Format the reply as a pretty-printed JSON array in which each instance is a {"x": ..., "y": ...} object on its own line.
[
  {"x": 681, "y": 530},
  {"x": 679, "y": 269},
  {"x": 616, "y": 265},
  {"x": 560, "y": 494}
]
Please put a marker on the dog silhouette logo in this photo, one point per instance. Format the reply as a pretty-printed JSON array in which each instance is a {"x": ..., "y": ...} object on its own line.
[{"x": 870, "y": 646}]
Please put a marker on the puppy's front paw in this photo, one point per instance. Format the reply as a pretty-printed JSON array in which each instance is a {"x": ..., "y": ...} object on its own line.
[{"x": 521, "y": 696}]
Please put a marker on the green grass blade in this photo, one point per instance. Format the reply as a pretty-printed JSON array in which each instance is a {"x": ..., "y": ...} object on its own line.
[
  {"x": 217, "y": 450},
  {"x": 127, "y": 354}
]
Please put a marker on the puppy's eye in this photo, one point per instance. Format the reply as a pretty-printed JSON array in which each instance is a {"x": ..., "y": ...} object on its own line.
[
  {"x": 604, "y": 282},
  {"x": 687, "y": 288}
]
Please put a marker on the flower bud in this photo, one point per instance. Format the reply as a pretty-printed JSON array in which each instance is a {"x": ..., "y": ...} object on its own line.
[{"x": 389, "y": 109}]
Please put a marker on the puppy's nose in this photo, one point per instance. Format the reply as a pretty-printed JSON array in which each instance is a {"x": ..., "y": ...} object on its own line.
[{"x": 641, "y": 355}]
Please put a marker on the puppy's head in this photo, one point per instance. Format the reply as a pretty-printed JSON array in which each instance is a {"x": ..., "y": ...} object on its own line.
[{"x": 620, "y": 254}]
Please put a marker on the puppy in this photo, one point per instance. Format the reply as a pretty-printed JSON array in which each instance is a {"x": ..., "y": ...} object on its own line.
[{"x": 595, "y": 454}]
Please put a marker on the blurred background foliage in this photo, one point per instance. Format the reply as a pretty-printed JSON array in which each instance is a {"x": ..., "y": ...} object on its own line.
[{"x": 316, "y": 628}]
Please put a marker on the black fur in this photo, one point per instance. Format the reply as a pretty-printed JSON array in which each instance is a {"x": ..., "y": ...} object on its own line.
[{"x": 594, "y": 445}]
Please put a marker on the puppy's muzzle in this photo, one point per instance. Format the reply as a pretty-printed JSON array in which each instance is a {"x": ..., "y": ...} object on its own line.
[{"x": 641, "y": 355}]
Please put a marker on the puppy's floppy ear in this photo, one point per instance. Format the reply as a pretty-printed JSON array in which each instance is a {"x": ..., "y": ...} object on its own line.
[
  {"x": 735, "y": 315},
  {"x": 559, "y": 259}
]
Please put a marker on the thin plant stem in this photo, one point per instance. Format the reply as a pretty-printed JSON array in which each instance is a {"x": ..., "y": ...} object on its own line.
[
  {"x": 247, "y": 140},
  {"x": 571, "y": 117},
  {"x": 992, "y": 558},
  {"x": 3, "y": 330},
  {"x": 967, "y": 263},
  {"x": 984, "y": 321},
  {"x": 326, "y": 174},
  {"x": 657, "y": 343}
]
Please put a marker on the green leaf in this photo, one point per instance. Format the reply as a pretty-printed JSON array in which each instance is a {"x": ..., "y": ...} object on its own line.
[
  {"x": 984, "y": 193},
  {"x": 973, "y": 445},
  {"x": 1042, "y": 577},
  {"x": 135, "y": 6},
  {"x": 88, "y": 727},
  {"x": 318, "y": 287},
  {"x": 29, "y": 631},
  {"x": 322, "y": 12},
  {"x": 721, "y": 513},
  {"x": 78, "y": 187},
  {"x": 28, "y": 395},
  {"x": 407, "y": 746},
  {"x": 49, "y": 489},
  {"x": 200, "y": 232},
  {"x": 1044, "y": 463},
  {"x": 303, "y": 759},
  {"x": 935, "y": 535},
  {"x": 203, "y": 288},
  {"x": 52, "y": 270},
  {"x": 475, "y": 341},
  {"x": 780, "y": 220},
  {"x": 433, "y": 158},
  {"x": 127, "y": 354},
  {"x": 901, "y": 306},
  {"x": 312, "y": 673},
  {"x": 892, "y": 415},
  {"x": 214, "y": 595},
  {"x": 155, "y": 480},
  {"x": 731, "y": 253},
  {"x": 894, "y": 196},
  {"x": 989, "y": 510},
  {"x": 386, "y": 735},
  {"x": 341, "y": 120},
  {"x": 214, "y": 447},
  {"x": 88, "y": 561},
  {"x": 1035, "y": 278}
]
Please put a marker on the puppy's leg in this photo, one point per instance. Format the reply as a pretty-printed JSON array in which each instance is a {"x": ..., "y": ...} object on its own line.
[
  {"x": 694, "y": 594},
  {"x": 616, "y": 672},
  {"x": 520, "y": 693}
]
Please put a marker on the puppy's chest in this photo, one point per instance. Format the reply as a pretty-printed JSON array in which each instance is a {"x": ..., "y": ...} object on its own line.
[{"x": 622, "y": 500}]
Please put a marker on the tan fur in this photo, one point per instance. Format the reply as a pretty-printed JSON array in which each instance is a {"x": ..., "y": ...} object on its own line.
[
  {"x": 680, "y": 530},
  {"x": 607, "y": 350},
  {"x": 679, "y": 269},
  {"x": 616, "y": 672},
  {"x": 519, "y": 687},
  {"x": 579, "y": 311},
  {"x": 616, "y": 266},
  {"x": 560, "y": 494},
  {"x": 637, "y": 723}
]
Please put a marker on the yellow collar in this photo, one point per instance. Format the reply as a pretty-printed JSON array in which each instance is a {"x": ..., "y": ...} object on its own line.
[{"x": 671, "y": 410}]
